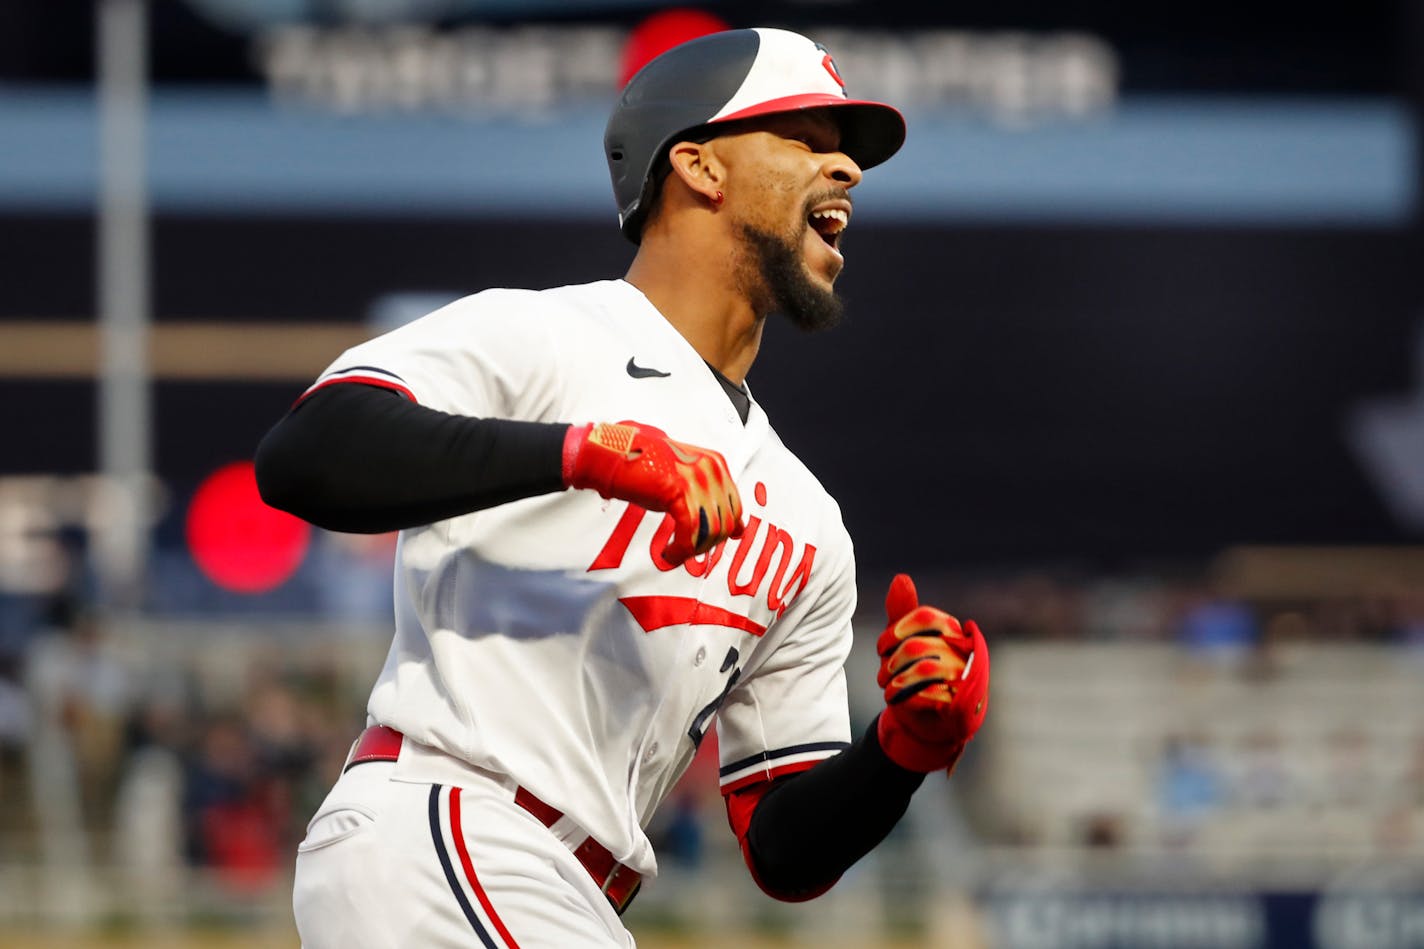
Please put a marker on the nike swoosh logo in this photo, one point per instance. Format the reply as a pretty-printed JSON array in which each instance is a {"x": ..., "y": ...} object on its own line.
[{"x": 638, "y": 372}]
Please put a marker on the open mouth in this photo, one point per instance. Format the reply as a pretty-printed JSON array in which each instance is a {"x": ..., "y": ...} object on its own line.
[{"x": 829, "y": 221}]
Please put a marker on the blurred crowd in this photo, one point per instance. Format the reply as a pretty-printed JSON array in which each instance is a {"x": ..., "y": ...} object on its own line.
[
  {"x": 1185, "y": 605},
  {"x": 1254, "y": 727},
  {"x": 113, "y": 757},
  {"x": 154, "y": 762}
]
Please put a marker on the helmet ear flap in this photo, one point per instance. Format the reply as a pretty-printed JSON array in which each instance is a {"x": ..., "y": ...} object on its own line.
[
  {"x": 636, "y": 213},
  {"x": 633, "y": 214}
]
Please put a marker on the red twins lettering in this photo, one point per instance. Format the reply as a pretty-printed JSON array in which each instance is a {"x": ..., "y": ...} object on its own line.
[{"x": 771, "y": 543}]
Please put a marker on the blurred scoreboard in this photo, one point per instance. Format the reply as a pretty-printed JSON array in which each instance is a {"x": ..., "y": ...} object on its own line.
[{"x": 1265, "y": 46}]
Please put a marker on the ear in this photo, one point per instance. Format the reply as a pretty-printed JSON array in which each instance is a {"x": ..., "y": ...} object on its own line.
[{"x": 695, "y": 164}]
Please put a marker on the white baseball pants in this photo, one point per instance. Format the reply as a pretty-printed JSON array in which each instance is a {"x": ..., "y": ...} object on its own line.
[{"x": 392, "y": 864}]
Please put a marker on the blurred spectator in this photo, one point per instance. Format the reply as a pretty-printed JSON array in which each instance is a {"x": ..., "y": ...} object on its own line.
[
  {"x": 1190, "y": 786},
  {"x": 285, "y": 752},
  {"x": 20, "y": 618},
  {"x": 15, "y": 716},
  {"x": 81, "y": 683},
  {"x": 1218, "y": 630},
  {"x": 1103, "y": 831},
  {"x": 149, "y": 844},
  {"x": 231, "y": 816},
  {"x": 16, "y": 722},
  {"x": 1266, "y": 780}
]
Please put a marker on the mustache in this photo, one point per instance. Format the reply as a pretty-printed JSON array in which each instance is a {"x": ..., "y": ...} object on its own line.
[{"x": 830, "y": 194}]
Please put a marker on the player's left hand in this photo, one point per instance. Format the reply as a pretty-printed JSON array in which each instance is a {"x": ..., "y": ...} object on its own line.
[
  {"x": 935, "y": 673},
  {"x": 640, "y": 463}
]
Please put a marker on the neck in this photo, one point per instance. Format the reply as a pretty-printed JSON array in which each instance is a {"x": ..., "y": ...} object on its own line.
[{"x": 696, "y": 290}]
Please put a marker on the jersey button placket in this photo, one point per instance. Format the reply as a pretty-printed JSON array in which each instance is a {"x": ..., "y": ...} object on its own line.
[{"x": 701, "y": 656}]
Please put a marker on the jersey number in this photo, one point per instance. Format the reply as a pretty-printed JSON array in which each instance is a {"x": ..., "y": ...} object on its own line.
[{"x": 699, "y": 723}]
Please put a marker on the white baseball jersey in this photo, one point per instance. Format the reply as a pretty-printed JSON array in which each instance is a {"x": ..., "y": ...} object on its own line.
[{"x": 546, "y": 639}]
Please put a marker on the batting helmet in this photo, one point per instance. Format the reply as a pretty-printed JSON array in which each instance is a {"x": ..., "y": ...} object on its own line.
[{"x": 687, "y": 91}]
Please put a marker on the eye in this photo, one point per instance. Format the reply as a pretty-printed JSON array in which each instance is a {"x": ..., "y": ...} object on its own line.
[{"x": 814, "y": 139}]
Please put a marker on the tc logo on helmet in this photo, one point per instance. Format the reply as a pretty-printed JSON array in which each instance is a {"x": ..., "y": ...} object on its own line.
[{"x": 830, "y": 65}]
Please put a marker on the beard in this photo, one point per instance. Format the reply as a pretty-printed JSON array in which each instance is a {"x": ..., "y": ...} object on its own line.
[{"x": 774, "y": 277}]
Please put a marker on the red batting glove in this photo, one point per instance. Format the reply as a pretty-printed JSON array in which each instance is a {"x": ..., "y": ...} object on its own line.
[
  {"x": 935, "y": 674},
  {"x": 639, "y": 463}
]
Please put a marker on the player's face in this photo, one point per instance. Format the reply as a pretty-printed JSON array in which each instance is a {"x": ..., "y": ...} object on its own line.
[{"x": 788, "y": 188}]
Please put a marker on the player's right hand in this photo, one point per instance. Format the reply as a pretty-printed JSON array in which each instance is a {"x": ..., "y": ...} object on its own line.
[
  {"x": 641, "y": 464},
  {"x": 935, "y": 673}
]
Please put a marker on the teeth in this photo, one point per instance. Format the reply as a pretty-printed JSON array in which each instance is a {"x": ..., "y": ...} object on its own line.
[{"x": 840, "y": 218}]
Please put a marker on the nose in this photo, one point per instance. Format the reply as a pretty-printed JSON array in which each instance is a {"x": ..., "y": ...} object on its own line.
[{"x": 843, "y": 170}]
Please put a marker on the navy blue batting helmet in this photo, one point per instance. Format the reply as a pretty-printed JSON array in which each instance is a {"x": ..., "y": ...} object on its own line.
[{"x": 722, "y": 77}]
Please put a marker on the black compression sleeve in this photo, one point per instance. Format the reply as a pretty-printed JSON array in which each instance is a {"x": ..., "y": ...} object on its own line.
[
  {"x": 363, "y": 459},
  {"x": 811, "y": 827}
]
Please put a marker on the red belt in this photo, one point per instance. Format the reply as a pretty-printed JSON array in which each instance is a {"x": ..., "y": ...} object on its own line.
[{"x": 618, "y": 883}]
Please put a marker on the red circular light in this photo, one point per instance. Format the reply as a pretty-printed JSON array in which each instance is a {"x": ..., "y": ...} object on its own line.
[
  {"x": 239, "y": 542},
  {"x": 660, "y": 33}
]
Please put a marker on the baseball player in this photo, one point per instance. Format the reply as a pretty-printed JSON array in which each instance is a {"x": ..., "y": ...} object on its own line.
[{"x": 605, "y": 549}]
